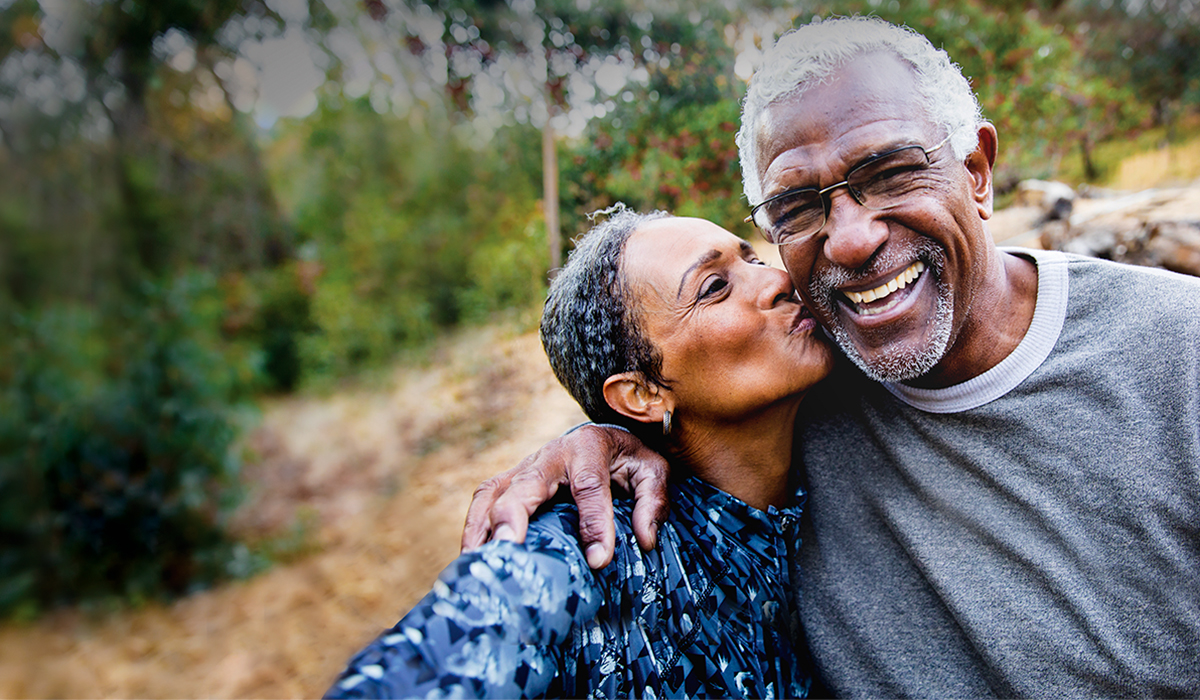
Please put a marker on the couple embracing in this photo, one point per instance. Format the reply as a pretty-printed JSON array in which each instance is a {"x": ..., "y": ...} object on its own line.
[{"x": 986, "y": 484}]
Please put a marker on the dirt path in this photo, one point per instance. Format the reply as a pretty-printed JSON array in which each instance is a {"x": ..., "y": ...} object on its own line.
[{"x": 385, "y": 476}]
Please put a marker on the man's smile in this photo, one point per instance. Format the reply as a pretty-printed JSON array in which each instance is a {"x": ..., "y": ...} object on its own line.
[{"x": 880, "y": 299}]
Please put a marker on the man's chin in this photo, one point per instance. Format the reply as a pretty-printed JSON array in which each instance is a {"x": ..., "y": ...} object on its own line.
[
  {"x": 896, "y": 362},
  {"x": 901, "y": 350}
]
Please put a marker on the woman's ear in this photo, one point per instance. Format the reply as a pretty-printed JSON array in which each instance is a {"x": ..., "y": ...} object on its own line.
[{"x": 631, "y": 395}]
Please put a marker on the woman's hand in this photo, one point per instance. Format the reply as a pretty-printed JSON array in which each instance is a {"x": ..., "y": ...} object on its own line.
[{"x": 587, "y": 459}]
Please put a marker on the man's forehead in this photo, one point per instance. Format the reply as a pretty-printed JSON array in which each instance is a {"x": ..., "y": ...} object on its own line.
[{"x": 866, "y": 103}]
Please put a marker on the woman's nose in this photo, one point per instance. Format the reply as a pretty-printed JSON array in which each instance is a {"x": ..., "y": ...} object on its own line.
[{"x": 776, "y": 289}]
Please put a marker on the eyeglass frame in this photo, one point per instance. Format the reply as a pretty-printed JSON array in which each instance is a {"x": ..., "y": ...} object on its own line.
[{"x": 823, "y": 193}]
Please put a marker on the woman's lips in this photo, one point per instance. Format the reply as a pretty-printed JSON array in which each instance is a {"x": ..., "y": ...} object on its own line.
[{"x": 803, "y": 320}]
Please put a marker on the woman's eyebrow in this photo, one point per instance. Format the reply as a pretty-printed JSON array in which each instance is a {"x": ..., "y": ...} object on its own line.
[{"x": 704, "y": 260}]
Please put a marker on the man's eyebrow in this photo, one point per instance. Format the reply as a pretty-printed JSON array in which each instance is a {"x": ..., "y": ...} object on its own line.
[
  {"x": 746, "y": 248},
  {"x": 704, "y": 260},
  {"x": 874, "y": 153}
]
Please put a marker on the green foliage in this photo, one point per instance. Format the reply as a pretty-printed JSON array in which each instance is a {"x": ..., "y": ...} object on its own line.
[
  {"x": 412, "y": 229},
  {"x": 1030, "y": 75},
  {"x": 115, "y": 461},
  {"x": 501, "y": 276},
  {"x": 270, "y": 310},
  {"x": 682, "y": 160},
  {"x": 1152, "y": 47},
  {"x": 670, "y": 146}
]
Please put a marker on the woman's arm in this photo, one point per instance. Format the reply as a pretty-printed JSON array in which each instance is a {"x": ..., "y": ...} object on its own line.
[
  {"x": 587, "y": 460},
  {"x": 494, "y": 624}
]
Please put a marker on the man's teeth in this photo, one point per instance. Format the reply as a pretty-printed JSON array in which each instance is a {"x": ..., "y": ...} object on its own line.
[{"x": 901, "y": 281}]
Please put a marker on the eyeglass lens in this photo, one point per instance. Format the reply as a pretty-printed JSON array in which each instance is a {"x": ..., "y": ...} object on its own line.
[{"x": 878, "y": 184}]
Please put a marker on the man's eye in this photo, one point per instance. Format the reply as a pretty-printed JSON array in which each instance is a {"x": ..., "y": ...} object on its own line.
[
  {"x": 799, "y": 207},
  {"x": 713, "y": 286},
  {"x": 897, "y": 172},
  {"x": 894, "y": 172}
]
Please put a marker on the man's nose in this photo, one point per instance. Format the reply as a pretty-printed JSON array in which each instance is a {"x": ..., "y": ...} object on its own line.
[{"x": 853, "y": 233}]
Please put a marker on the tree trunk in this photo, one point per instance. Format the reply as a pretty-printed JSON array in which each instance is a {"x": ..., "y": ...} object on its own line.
[
  {"x": 1090, "y": 172},
  {"x": 550, "y": 196}
]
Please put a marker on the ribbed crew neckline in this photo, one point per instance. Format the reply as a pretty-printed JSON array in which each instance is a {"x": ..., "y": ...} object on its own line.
[{"x": 1049, "y": 314}]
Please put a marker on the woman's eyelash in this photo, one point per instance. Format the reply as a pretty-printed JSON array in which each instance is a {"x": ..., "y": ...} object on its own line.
[{"x": 713, "y": 287}]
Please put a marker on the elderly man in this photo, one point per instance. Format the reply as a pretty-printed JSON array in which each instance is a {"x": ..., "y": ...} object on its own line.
[{"x": 1005, "y": 477}]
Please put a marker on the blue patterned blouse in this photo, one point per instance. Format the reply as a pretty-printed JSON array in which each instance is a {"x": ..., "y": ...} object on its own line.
[{"x": 709, "y": 612}]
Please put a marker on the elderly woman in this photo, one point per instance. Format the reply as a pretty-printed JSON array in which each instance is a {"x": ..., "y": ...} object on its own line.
[{"x": 673, "y": 329}]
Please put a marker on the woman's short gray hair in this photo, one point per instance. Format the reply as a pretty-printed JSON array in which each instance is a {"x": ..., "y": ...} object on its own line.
[
  {"x": 590, "y": 328},
  {"x": 805, "y": 56}
]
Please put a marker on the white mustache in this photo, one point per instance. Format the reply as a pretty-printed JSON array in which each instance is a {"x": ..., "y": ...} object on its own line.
[{"x": 825, "y": 282}]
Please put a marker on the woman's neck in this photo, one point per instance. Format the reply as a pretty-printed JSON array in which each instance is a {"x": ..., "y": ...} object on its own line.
[{"x": 749, "y": 460}]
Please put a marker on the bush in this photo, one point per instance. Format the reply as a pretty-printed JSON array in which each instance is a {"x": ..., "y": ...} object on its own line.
[
  {"x": 270, "y": 310},
  {"x": 115, "y": 462}
]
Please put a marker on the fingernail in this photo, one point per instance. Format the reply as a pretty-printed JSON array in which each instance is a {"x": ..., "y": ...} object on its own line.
[
  {"x": 504, "y": 532},
  {"x": 595, "y": 555}
]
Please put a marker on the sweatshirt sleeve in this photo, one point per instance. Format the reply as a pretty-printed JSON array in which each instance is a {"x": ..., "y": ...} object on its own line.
[{"x": 494, "y": 625}]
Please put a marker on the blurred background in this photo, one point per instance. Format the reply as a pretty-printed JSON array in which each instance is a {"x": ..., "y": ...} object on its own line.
[{"x": 269, "y": 272}]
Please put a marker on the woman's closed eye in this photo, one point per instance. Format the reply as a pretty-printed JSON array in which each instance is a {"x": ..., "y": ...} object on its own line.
[{"x": 712, "y": 286}]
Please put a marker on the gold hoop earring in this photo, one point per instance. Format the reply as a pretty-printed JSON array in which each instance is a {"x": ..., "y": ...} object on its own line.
[{"x": 666, "y": 422}]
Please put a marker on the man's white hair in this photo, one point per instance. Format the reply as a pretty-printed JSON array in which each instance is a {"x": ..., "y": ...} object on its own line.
[{"x": 808, "y": 55}]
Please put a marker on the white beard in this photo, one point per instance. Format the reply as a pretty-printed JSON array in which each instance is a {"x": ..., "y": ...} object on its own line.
[{"x": 908, "y": 363}]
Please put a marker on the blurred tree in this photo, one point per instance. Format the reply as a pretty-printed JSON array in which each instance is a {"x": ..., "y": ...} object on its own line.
[
  {"x": 125, "y": 170},
  {"x": 408, "y": 227},
  {"x": 669, "y": 143},
  {"x": 1153, "y": 47},
  {"x": 115, "y": 464},
  {"x": 131, "y": 160},
  {"x": 1029, "y": 72},
  {"x": 558, "y": 63}
]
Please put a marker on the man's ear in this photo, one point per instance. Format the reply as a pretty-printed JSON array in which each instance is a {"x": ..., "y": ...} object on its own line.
[
  {"x": 631, "y": 395},
  {"x": 979, "y": 165}
]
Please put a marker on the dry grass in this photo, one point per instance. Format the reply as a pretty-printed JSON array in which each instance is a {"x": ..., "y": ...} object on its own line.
[
  {"x": 386, "y": 476},
  {"x": 1168, "y": 165}
]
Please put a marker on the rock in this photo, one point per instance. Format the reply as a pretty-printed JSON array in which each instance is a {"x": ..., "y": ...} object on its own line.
[
  {"x": 1174, "y": 245},
  {"x": 1055, "y": 199},
  {"x": 1151, "y": 228}
]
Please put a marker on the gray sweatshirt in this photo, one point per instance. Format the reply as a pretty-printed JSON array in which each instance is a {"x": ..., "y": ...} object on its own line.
[{"x": 1034, "y": 532}]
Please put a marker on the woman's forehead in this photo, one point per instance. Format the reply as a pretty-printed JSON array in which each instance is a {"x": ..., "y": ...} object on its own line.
[
  {"x": 665, "y": 248},
  {"x": 680, "y": 235}
]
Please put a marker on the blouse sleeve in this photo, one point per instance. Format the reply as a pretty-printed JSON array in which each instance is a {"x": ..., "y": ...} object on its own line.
[{"x": 494, "y": 624}]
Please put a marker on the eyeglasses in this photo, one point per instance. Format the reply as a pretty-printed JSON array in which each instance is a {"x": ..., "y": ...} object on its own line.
[{"x": 880, "y": 183}]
